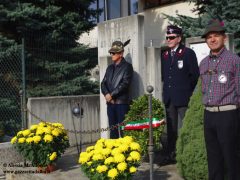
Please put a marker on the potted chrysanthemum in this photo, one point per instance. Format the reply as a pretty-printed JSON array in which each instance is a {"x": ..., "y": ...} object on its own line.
[
  {"x": 111, "y": 159},
  {"x": 42, "y": 144}
]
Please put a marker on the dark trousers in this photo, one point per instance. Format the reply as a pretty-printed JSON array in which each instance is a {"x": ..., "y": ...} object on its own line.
[
  {"x": 175, "y": 115},
  {"x": 116, "y": 113},
  {"x": 220, "y": 131}
]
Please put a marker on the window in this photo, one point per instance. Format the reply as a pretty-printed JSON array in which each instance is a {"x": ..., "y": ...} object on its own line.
[
  {"x": 155, "y": 3},
  {"x": 100, "y": 6},
  {"x": 133, "y": 7},
  {"x": 113, "y": 9}
]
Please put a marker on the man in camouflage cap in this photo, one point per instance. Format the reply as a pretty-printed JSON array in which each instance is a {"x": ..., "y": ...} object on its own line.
[{"x": 115, "y": 86}]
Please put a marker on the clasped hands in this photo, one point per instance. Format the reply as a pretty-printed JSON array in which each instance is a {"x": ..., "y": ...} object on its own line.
[{"x": 109, "y": 99}]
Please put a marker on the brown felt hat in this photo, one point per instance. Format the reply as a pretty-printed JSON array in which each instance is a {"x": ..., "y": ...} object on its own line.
[{"x": 214, "y": 25}]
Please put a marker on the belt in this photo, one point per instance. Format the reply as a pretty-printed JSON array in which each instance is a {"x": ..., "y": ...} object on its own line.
[
  {"x": 119, "y": 101},
  {"x": 220, "y": 108}
]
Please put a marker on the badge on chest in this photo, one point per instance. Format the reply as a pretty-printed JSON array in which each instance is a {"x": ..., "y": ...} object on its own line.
[
  {"x": 222, "y": 78},
  {"x": 180, "y": 64}
]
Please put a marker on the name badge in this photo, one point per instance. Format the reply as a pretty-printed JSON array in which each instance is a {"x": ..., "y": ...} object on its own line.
[
  {"x": 222, "y": 78},
  {"x": 180, "y": 64}
]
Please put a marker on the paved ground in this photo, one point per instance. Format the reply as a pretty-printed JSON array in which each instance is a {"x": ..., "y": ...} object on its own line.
[{"x": 69, "y": 169}]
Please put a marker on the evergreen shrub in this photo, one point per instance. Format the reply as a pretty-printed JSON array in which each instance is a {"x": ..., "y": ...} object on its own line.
[
  {"x": 138, "y": 111},
  {"x": 191, "y": 152}
]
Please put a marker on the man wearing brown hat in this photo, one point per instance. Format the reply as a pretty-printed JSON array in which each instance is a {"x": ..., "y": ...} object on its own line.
[
  {"x": 115, "y": 86},
  {"x": 220, "y": 76},
  {"x": 180, "y": 74}
]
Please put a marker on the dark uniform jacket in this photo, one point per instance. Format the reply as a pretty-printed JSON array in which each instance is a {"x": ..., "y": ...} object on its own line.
[
  {"x": 117, "y": 81},
  {"x": 180, "y": 75}
]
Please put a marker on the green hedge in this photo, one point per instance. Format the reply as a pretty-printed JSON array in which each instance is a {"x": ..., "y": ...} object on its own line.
[
  {"x": 138, "y": 111},
  {"x": 191, "y": 152}
]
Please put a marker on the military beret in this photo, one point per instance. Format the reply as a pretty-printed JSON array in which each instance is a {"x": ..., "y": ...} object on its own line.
[
  {"x": 214, "y": 25},
  {"x": 172, "y": 29}
]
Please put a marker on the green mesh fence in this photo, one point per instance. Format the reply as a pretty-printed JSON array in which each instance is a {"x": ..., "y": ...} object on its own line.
[{"x": 10, "y": 85}]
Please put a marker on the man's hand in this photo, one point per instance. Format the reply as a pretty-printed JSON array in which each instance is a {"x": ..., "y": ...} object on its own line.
[{"x": 108, "y": 97}]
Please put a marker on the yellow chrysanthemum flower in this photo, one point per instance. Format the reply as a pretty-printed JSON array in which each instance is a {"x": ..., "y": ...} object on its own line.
[
  {"x": 101, "y": 168},
  {"x": 97, "y": 157},
  {"x": 119, "y": 158},
  {"x": 109, "y": 143},
  {"x": 53, "y": 156},
  {"x": 42, "y": 124},
  {"x": 109, "y": 160},
  {"x": 19, "y": 133},
  {"x": 135, "y": 146},
  {"x": 116, "y": 151},
  {"x": 123, "y": 147},
  {"x": 83, "y": 154},
  {"x": 59, "y": 125},
  {"x": 47, "y": 130},
  {"x": 29, "y": 140},
  {"x": 55, "y": 132},
  {"x": 112, "y": 173},
  {"x": 129, "y": 158},
  {"x": 31, "y": 134},
  {"x": 106, "y": 151},
  {"x": 13, "y": 140},
  {"x": 21, "y": 140},
  {"x": 26, "y": 132},
  {"x": 122, "y": 166},
  {"x": 135, "y": 155},
  {"x": 33, "y": 127},
  {"x": 39, "y": 131},
  {"x": 36, "y": 139},
  {"x": 90, "y": 148},
  {"x": 89, "y": 163},
  {"x": 127, "y": 140},
  {"x": 48, "y": 138},
  {"x": 132, "y": 169}
]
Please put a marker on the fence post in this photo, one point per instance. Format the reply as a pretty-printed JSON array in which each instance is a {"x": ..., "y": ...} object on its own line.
[
  {"x": 150, "y": 144},
  {"x": 23, "y": 91}
]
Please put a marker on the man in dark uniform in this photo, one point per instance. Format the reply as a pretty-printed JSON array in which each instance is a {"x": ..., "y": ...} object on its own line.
[
  {"x": 115, "y": 86},
  {"x": 180, "y": 74},
  {"x": 220, "y": 75}
]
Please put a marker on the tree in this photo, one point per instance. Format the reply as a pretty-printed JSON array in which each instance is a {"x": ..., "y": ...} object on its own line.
[
  {"x": 225, "y": 10},
  {"x": 191, "y": 152},
  {"x": 56, "y": 63}
]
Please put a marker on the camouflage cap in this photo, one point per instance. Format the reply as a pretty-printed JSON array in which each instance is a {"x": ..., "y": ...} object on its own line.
[
  {"x": 214, "y": 25},
  {"x": 117, "y": 46}
]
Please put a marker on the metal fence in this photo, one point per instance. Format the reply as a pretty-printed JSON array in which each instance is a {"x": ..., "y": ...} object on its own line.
[
  {"x": 10, "y": 85},
  {"x": 53, "y": 68}
]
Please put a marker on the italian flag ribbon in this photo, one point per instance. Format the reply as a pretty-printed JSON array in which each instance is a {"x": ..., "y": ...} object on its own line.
[{"x": 143, "y": 124}]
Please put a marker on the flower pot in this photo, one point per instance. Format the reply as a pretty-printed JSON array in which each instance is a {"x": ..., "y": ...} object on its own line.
[{"x": 48, "y": 169}]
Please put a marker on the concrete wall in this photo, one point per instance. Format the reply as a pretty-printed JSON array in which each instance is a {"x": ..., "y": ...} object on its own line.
[
  {"x": 59, "y": 109},
  {"x": 155, "y": 23}
]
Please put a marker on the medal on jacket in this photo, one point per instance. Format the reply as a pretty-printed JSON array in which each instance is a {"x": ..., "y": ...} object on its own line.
[
  {"x": 180, "y": 64},
  {"x": 222, "y": 78}
]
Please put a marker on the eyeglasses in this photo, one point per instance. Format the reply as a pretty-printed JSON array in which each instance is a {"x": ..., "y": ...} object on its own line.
[{"x": 171, "y": 37}]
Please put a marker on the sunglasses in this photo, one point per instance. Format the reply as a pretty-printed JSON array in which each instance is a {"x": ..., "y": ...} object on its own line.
[
  {"x": 113, "y": 53},
  {"x": 171, "y": 37}
]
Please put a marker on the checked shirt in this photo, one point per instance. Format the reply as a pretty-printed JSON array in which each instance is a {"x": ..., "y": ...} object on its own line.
[{"x": 220, "y": 77}]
